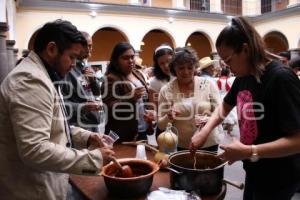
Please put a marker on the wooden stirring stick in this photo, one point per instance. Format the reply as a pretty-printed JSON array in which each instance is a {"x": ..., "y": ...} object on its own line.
[{"x": 123, "y": 171}]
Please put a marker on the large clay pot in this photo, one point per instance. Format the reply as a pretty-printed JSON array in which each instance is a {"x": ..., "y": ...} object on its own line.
[{"x": 139, "y": 184}]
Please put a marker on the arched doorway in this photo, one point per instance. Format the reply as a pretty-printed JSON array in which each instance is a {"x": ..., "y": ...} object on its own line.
[
  {"x": 150, "y": 42},
  {"x": 276, "y": 42},
  {"x": 200, "y": 43},
  {"x": 104, "y": 41}
]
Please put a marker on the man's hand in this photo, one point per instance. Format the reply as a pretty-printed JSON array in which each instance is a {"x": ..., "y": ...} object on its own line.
[
  {"x": 96, "y": 141},
  {"x": 107, "y": 153}
]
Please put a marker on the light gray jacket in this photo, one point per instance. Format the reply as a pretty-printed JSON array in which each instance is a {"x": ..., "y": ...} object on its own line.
[{"x": 34, "y": 159}]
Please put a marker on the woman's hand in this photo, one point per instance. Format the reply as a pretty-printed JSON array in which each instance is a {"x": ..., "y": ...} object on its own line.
[
  {"x": 92, "y": 106},
  {"x": 172, "y": 114},
  {"x": 149, "y": 116},
  {"x": 198, "y": 139},
  {"x": 201, "y": 120},
  {"x": 138, "y": 93},
  {"x": 235, "y": 151}
]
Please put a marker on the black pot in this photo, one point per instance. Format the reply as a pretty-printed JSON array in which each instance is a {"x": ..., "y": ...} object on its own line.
[
  {"x": 207, "y": 177},
  {"x": 140, "y": 184}
]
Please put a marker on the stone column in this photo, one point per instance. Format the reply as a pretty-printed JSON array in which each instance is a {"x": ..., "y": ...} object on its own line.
[
  {"x": 140, "y": 2},
  {"x": 10, "y": 54},
  {"x": 3, "y": 51},
  {"x": 3, "y": 11},
  {"x": 179, "y": 4},
  {"x": 214, "y": 56},
  {"x": 251, "y": 7},
  {"x": 16, "y": 51},
  {"x": 134, "y": 2},
  {"x": 216, "y": 6},
  {"x": 138, "y": 52},
  {"x": 294, "y": 52}
]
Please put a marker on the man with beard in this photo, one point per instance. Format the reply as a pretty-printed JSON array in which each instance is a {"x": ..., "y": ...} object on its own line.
[{"x": 38, "y": 147}]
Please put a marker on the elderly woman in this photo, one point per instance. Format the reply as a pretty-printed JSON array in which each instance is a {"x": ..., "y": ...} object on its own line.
[
  {"x": 185, "y": 97},
  {"x": 122, "y": 93},
  {"x": 266, "y": 95}
]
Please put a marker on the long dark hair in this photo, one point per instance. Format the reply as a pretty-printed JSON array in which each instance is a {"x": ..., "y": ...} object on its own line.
[
  {"x": 158, "y": 73},
  {"x": 239, "y": 32},
  {"x": 119, "y": 49}
]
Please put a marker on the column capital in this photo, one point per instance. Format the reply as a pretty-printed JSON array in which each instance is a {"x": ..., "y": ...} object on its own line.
[
  {"x": 10, "y": 43},
  {"x": 25, "y": 52},
  {"x": 3, "y": 27}
]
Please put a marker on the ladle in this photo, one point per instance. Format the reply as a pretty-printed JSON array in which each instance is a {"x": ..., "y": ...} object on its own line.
[{"x": 123, "y": 171}]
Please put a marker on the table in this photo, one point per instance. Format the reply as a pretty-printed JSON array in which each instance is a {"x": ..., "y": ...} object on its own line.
[{"x": 93, "y": 187}]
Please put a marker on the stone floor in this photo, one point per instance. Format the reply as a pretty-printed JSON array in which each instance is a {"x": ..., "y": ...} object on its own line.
[{"x": 235, "y": 172}]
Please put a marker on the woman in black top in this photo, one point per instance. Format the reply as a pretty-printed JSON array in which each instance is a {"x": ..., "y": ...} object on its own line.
[{"x": 267, "y": 96}]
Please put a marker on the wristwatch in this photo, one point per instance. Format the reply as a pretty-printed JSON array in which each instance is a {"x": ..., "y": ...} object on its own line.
[{"x": 254, "y": 154}]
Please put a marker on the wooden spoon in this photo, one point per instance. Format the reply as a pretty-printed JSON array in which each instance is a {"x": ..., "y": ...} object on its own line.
[{"x": 123, "y": 171}]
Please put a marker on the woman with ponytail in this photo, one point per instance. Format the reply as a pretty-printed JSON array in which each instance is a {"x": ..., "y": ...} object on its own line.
[{"x": 267, "y": 97}]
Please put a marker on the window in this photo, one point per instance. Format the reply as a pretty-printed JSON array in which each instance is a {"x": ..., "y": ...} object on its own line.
[
  {"x": 266, "y": 6},
  {"x": 270, "y": 6},
  {"x": 233, "y": 7},
  {"x": 202, "y": 5},
  {"x": 145, "y": 2}
]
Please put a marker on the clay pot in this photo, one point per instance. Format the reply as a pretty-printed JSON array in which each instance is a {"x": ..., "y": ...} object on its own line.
[{"x": 139, "y": 184}]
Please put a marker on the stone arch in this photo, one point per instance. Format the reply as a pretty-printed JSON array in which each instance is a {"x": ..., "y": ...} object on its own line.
[
  {"x": 276, "y": 42},
  {"x": 201, "y": 43},
  {"x": 151, "y": 40},
  {"x": 104, "y": 40}
]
